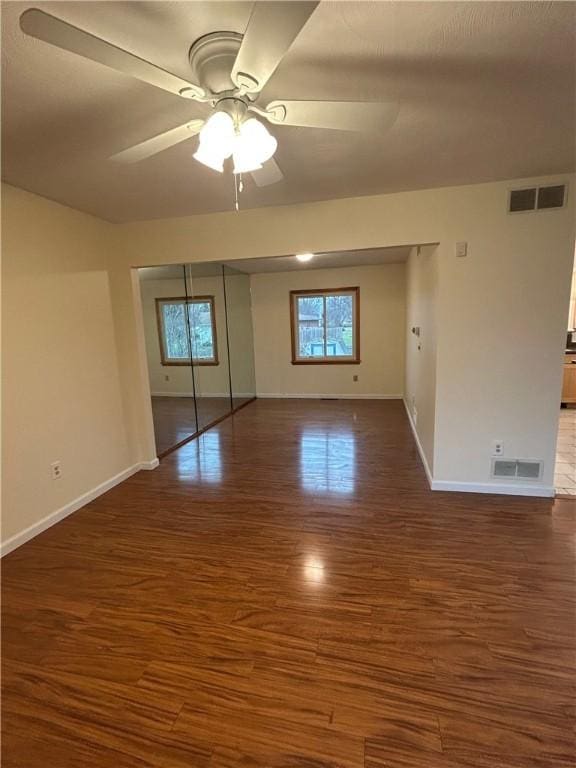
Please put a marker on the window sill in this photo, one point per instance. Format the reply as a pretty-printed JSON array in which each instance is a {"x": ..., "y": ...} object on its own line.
[{"x": 326, "y": 362}]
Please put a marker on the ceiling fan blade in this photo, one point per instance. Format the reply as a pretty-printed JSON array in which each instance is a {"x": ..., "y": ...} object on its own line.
[
  {"x": 159, "y": 143},
  {"x": 271, "y": 30},
  {"x": 270, "y": 173},
  {"x": 52, "y": 30},
  {"x": 365, "y": 116}
]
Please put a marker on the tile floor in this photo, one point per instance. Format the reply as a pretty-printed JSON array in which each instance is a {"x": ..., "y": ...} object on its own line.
[{"x": 565, "y": 473}]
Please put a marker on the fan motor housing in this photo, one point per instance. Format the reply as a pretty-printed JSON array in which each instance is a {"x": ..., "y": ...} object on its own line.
[
  {"x": 234, "y": 106},
  {"x": 212, "y": 58}
]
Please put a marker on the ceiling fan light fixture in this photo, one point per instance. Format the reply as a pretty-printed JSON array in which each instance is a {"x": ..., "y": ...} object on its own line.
[
  {"x": 253, "y": 145},
  {"x": 216, "y": 141},
  {"x": 304, "y": 256},
  {"x": 218, "y": 131},
  {"x": 210, "y": 158},
  {"x": 244, "y": 164}
]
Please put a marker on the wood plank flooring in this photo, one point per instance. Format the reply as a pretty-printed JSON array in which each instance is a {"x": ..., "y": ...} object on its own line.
[{"x": 285, "y": 592}]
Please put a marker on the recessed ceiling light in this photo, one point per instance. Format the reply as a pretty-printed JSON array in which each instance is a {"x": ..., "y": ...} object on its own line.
[{"x": 304, "y": 256}]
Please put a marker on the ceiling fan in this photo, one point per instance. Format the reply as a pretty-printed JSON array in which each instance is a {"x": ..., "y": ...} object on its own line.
[{"x": 229, "y": 70}]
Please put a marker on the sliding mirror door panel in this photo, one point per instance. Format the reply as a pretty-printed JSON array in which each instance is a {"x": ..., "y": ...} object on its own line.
[
  {"x": 163, "y": 292},
  {"x": 240, "y": 336},
  {"x": 208, "y": 335},
  {"x": 199, "y": 347}
]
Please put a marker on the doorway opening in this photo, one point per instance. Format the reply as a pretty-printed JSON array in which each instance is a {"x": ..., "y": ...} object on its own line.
[{"x": 565, "y": 468}]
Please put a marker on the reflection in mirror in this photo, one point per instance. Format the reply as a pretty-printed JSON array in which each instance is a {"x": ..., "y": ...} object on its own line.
[
  {"x": 208, "y": 338},
  {"x": 163, "y": 292},
  {"x": 190, "y": 311},
  {"x": 240, "y": 336},
  {"x": 200, "y": 460},
  {"x": 327, "y": 460}
]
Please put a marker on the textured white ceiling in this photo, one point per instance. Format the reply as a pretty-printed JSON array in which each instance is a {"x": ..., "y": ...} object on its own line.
[{"x": 486, "y": 92}]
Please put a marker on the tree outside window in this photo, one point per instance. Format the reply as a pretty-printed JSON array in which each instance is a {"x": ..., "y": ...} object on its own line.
[
  {"x": 325, "y": 326},
  {"x": 187, "y": 336}
]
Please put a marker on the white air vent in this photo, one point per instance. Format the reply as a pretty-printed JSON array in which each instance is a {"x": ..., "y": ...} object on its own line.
[
  {"x": 517, "y": 469},
  {"x": 502, "y": 468},
  {"x": 551, "y": 197},
  {"x": 537, "y": 198}
]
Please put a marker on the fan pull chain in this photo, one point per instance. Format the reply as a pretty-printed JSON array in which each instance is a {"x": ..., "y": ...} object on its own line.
[
  {"x": 236, "y": 204},
  {"x": 238, "y": 187}
]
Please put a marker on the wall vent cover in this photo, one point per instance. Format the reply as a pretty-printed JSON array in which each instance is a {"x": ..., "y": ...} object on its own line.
[
  {"x": 537, "y": 198},
  {"x": 551, "y": 197},
  {"x": 522, "y": 200},
  {"x": 502, "y": 468},
  {"x": 517, "y": 469},
  {"x": 529, "y": 470}
]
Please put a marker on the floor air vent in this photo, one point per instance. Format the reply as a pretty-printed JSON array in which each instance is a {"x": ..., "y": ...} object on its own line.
[{"x": 522, "y": 469}]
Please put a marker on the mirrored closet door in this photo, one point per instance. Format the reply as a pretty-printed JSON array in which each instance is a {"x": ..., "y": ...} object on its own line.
[
  {"x": 199, "y": 347},
  {"x": 209, "y": 342},
  {"x": 166, "y": 330}
]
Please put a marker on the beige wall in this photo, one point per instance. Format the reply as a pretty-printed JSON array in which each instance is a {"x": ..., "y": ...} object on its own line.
[
  {"x": 382, "y": 314},
  {"x": 61, "y": 396},
  {"x": 506, "y": 300},
  {"x": 421, "y": 353},
  {"x": 211, "y": 380},
  {"x": 74, "y": 361}
]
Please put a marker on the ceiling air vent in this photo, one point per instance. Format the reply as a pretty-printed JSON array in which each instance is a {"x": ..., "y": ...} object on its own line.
[
  {"x": 522, "y": 200},
  {"x": 517, "y": 469},
  {"x": 551, "y": 197}
]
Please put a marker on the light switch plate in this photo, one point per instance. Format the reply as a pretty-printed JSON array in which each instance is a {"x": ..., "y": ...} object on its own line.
[{"x": 462, "y": 249}]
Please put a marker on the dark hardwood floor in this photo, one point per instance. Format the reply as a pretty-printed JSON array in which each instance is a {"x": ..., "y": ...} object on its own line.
[{"x": 286, "y": 592}]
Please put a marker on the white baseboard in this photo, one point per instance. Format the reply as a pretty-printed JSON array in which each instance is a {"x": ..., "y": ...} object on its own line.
[
  {"x": 419, "y": 446},
  {"x": 33, "y": 530},
  {"x": 506, "y": 489},
  {"x": 149, "y": 464},
  {"x": 189, "y": 394},
  {"x": 172, "y": 394},
  {"x": 291, "y": 396},
  {"x": 204, "y": 394}
]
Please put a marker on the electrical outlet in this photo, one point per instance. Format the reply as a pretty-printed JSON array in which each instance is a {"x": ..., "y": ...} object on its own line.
[
  {"x": 355, "y": 377},
  {"x": 56, "y": 470},
  {"x": 497, "y": 448}
]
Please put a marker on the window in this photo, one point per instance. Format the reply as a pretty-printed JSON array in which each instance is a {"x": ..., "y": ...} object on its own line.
[
  {"x": 325, "y": 326},
  {"x": 176, "y": 335}
]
